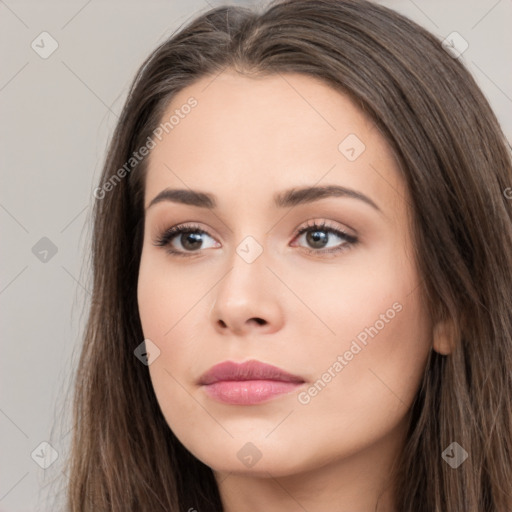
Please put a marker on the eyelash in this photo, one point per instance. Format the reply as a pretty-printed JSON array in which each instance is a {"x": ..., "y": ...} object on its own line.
[{"x": 165, "y": 239}]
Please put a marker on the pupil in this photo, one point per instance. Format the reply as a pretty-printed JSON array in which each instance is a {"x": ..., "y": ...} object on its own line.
[
  {"x": 317, "y": 238},
  {"x": 188, "y": 240}
]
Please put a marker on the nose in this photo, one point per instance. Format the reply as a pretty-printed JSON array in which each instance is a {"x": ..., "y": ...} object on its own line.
[{"x": 247, "y": 301}]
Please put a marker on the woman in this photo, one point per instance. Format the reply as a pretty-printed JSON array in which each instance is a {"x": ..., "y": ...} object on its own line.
[{"x": 302, "y": 276}]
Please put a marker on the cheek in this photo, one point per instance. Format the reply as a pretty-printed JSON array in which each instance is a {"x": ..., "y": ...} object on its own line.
[
  {"x": 163, "y": 314},
  {"x": 172, "y": 313},
  {"x": 373, "y": 366},
  {"x": 166, "y": 295},
  {"x": 156, "y": 304}
]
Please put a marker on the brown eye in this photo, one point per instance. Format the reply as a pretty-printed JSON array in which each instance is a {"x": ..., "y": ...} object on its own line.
[
  {"x": 184, "y": 239},
  {"x": 191, "y": 241},
  {"x": 317, "y": 239},
  {"x": 321, "y": 238}
]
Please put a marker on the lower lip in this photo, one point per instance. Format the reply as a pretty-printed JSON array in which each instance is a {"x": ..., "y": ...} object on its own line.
[{"x": 248, "y": 392}]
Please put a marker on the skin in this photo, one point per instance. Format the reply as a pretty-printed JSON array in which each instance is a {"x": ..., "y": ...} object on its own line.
[{"x": 247, "y": 139}]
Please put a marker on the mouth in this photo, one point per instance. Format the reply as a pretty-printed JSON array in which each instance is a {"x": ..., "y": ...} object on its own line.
[{"x": 247, "y": 383}]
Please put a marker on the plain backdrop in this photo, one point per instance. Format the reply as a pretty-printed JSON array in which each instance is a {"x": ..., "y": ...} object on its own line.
[{"x": 57, "y": 113}]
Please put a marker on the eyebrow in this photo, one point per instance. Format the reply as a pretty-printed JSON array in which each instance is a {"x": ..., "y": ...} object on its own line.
[{"x": 288, "y": 198}]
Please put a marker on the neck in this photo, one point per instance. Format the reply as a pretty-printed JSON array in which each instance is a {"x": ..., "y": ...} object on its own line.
[{"x": 358, "y": 483}]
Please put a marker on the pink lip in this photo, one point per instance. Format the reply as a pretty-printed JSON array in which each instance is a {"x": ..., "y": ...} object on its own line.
[{"x": 247, "y": 383}]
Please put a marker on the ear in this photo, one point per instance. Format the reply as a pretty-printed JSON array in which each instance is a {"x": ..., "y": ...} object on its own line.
[{"x": 444, "y": 337}]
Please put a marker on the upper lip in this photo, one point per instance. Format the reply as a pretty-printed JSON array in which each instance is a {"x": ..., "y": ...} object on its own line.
[{"x": 249, "y": 370}]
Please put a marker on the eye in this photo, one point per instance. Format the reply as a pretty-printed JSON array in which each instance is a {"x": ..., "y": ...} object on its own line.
[
  {"x": 183, "y": 239},
  {"x": 321, "y": 238},
  {"x": 187, "y": 239}
]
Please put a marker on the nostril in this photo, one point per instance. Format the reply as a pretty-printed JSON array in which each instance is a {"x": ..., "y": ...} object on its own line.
[{"x": 259, "y": 321}]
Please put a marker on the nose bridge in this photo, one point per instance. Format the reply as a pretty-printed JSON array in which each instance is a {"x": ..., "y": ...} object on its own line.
[
  {"x": 245, "y": 294},
  {"x": 247, "y": 261},
  {"x": 249, "y": 241}
]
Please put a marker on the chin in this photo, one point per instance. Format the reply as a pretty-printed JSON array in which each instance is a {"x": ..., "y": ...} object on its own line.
[{"x": 246, "y": 455}]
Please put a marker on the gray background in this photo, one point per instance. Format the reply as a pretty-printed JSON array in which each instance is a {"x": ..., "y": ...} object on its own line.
[{"x": 57, "y": 114}]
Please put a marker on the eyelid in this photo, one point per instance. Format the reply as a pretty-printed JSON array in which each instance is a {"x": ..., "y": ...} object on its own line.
[
  {"x": 322, "y": 225},
  {"x": 169, "y": 233},
  {"x": 326, "y": 225}
]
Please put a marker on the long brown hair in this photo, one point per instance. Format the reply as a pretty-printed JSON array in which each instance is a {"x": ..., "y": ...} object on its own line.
[{"x": 456, "y": 165}]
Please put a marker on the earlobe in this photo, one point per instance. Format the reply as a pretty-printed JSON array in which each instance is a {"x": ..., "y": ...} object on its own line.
[{"x": 443, "y": 337}]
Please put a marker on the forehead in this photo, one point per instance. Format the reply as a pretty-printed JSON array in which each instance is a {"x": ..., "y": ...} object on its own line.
[{"x": 247, "y": 137}]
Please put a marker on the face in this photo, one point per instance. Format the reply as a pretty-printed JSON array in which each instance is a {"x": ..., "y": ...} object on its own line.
[{"x": 322, "y": 285}]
